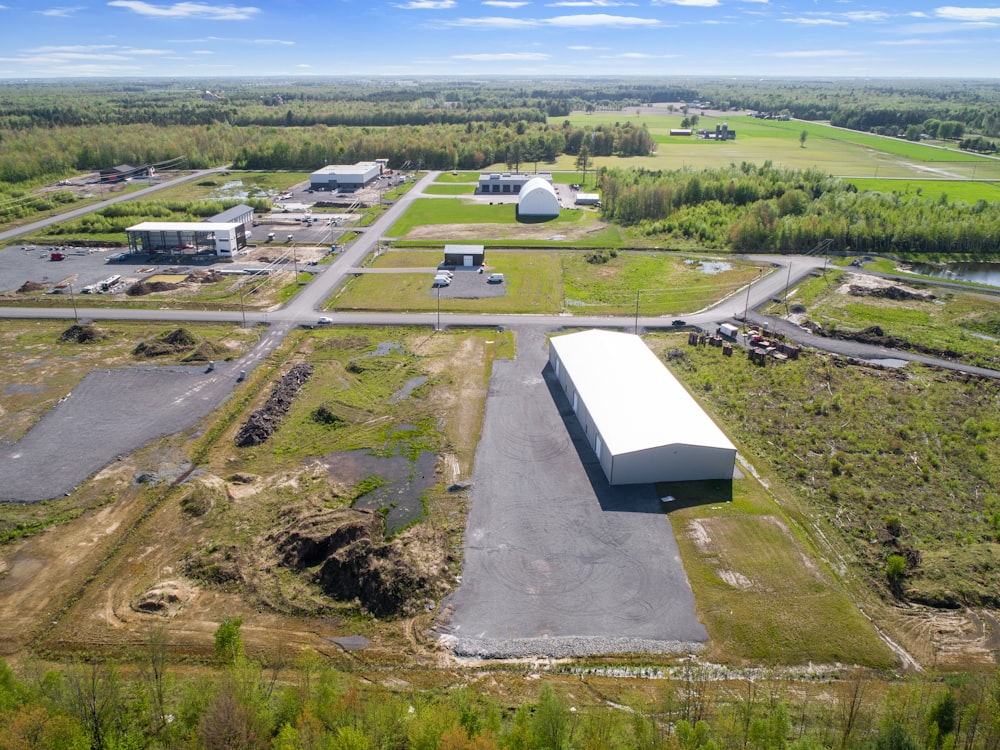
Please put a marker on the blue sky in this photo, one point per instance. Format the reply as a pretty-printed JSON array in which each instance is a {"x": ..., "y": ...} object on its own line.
[{"x": 400, "y": 38}]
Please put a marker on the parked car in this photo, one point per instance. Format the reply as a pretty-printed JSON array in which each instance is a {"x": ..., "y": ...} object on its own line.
[
  {"x": 324, "y": 321},
  {"x": 441, "y": 281},
  {"x": 495, "y": 278}
]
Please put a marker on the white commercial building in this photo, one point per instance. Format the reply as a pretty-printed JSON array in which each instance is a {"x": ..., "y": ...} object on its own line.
[
  {"x": 187, "y": 238},
  {"x": 640, "y": 421},
  {"x": 345, "y": 177},
  {"x": 538, "y": 200},
  {"x": 509, "y": 183}
]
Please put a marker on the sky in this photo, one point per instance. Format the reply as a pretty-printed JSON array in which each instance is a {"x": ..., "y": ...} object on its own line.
[{"x": 410, "y": 38}]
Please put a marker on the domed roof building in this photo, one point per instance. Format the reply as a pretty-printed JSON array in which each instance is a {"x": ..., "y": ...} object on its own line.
[{"x": 537, "y": 200}]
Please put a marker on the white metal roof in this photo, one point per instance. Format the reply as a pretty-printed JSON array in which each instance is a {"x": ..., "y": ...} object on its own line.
[
  {"x": 632, "y": 397},
  {"x": 184, "y": 226},
  {"x": 348, "y": 169},
  {"x": 538, "y": 197},
  {"x": 464, "y": 249}
]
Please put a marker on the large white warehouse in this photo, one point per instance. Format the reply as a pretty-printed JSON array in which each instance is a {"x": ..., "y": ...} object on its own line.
[
  {"x": 641, "y": 422},
  {"x": 537, "y": 200},
  {"x": 344, "y": 176}
]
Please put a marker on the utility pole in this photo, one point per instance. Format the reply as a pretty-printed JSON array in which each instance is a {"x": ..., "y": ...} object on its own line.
[
  {"x": 788, "y": 283},
  {"x": 243, "y": 310},
  {"x": 72, "y": 299},
  {"x": 438, "y": 326},
  {"x": 636, "y": 312},
  {"x": 746, "y": 308}
]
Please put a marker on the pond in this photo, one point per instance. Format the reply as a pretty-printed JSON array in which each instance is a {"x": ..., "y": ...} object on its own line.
[
  {"x": 987, "y": 274},
  {"x": 711, "y": 267}
]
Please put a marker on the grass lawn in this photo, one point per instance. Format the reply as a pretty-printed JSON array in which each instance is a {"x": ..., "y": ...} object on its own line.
[
  {"x": 666, "y": 284},
  {"x": 762, "y": 592},
  {"x": 452, "y": 189},
  {"x": 231, "y": 184},
  {"x": 461, "y": 177},
  {"x": 533, "y": 285}
]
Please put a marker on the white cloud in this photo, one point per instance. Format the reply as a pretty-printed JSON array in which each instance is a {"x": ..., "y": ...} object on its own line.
[
  {"x": 200, "y": 52},
  {"x": 866, "y": 15},
  {"x": 637, "y": 56},
  {"x": 954, "y": 13},
  {"x": 495, "y": 22},
  {"x": 503, "y": 56},
  {"x": 919, "y": 42},
  {"x": 814, "y": 21},
  {"x": 285, "y": 42},
  {"x": 188, "y": 10},
  {"x": 588, "y": 4},
  {"x": 689, "y": 3},
  {"x": 810, "y": 53},
  {"x": 426, "y": 5},
  {"x": 506, "y": 3},
  {"x": 61, "y": 12},
  {"x": 600, "y": 19}
]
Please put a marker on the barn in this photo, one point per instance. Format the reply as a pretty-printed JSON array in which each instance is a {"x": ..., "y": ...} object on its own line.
[
  {"x": 641, "y": 423},
  {"x": 537, "y": 200}
]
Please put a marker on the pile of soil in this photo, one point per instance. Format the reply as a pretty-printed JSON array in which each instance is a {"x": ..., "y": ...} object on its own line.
[
  {"x": 31, "y": 286},
  {"x": 81, "y": 334},
  {"x": 142, "y": 288},
  {"x": 205, "y": 277},
  {"x": 175, "y": 342},
  {"x": 207, "y": 351},
  {"x": 346, "y": 552},
  {"x": 889, "y": 292},
  {"x": 262, "y": 423}
]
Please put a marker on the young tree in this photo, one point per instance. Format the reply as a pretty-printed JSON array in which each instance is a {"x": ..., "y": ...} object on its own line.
[
  {"x": 583, "y": 159},
  {"x": 802, "y": 138}
]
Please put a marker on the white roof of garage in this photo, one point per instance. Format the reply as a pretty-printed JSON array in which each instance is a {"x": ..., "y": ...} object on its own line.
[
  {"x": 183, "y": 226},
  {"x": 632, "y": 397}
]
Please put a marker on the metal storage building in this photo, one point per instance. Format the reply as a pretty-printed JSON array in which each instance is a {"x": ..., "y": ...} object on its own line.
[
  {"x": 538, "y": 200},
  {"x": 345, "y": 177},
  {"x": 640, "y": 421},
  {"x": 469, "y": 256},
  {"x": 187, "y": 238}
]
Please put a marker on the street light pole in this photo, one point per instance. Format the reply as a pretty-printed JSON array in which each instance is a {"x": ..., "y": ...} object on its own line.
[
  {"x": 636, "y": 312},
  {"x": 746, "y": 308},
  {"x": 438, "y": 326},
  {"x": 243, "y": 310}
]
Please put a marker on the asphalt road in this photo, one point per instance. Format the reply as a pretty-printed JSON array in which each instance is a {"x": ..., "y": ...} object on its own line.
[{"x": 557, "y": 561}]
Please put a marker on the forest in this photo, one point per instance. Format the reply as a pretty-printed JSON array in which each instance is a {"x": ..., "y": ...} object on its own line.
[{"x": 763, "y": 208}]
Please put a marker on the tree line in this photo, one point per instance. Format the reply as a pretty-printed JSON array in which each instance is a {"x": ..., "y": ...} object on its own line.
[
  {"x": 751, "y": 208},
  {"x": 243, "y": 704}
]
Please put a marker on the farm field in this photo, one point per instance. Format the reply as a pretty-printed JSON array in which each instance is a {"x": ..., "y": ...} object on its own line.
[{"x": 835, "y": 151}]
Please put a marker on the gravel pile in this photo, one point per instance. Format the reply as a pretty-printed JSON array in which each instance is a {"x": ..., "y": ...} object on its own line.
[{"x": 563, "y": 646}]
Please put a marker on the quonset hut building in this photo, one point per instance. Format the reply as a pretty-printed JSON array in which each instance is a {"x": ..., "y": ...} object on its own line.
[{"x": 640, "y": 421}]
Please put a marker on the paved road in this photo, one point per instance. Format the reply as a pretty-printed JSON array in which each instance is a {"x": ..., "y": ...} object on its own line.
[{"x": 76, "y": 213}]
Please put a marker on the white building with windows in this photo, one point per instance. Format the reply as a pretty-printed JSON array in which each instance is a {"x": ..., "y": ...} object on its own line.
[{"x": 641, "y": 423}]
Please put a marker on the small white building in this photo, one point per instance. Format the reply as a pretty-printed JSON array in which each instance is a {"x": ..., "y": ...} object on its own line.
[
  {"x": 588, "y": 199},
  {"x": 466, "y": 256},
  {"x": 639, "y": 420},
  {"x": 506, "y": 183},
  {"x": 345, "y": 177},
  {"x": 538, "y": 200}
]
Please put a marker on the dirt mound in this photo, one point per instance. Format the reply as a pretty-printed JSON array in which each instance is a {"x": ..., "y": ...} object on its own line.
[
  {"x": 262, "y": 423},
  {"x": 81, "y": 334},
  {"x": 30, "y": 286},
  {"x": 175, "y": 342},
  {"x": 142, "y": 288},
  {"x": 165, "y": 598},
  {"x": 348, "y": 557},
  {"x": 205, "y": 277},
  {"x": 889, "y": 292},
  {"x": 207, "y": 351}
]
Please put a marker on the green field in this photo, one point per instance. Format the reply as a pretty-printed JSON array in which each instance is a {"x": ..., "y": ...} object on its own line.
[
  {"x": 551, "y": 282},
  {"x": 431, "y": 211},
  {"x": 451, "y": 189},
  {"x": 833, "y": 150},
  {"x": 969, "y": 191}
]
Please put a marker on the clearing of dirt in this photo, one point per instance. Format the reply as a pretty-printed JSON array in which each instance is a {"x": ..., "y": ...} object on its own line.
[{"x": 566, "y": 232}]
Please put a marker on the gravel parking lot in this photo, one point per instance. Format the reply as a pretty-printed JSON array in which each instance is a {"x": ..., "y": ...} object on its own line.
[{"x": 558, "y": 562}]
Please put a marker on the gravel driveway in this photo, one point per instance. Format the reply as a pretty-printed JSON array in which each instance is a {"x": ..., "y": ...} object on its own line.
[{"x": 557, "y": 561}]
